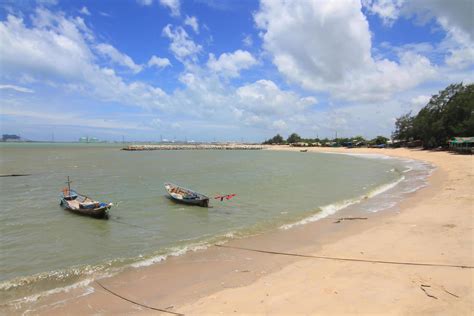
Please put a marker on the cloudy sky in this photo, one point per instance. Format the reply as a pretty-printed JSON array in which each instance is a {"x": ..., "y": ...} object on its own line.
[{"x": 225, "y": 70}]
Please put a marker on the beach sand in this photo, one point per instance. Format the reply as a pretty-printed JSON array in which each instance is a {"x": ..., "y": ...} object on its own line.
[{"x": 433, "y": 225}]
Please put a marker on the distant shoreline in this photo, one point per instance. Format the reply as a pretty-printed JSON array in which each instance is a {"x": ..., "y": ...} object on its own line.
[{"x": 193, "y": 147}]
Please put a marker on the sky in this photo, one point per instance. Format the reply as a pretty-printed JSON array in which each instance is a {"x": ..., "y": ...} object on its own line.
[{"x": 209, "y": 70}]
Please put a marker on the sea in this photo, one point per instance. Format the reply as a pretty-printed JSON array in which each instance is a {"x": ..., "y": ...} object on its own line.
[{"x": 45, "y": 249}]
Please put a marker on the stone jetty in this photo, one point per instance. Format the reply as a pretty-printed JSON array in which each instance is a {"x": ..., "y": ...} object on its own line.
[{"x": 194, "y": 147}]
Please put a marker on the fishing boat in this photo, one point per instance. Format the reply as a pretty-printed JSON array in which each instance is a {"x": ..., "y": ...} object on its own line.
[
  {"x": 83, "y": 205},
  {"x": 186, "y": 196}
]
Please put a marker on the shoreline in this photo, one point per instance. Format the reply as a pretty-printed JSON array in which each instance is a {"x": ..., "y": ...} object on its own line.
[{"x": 226, "y": 275}]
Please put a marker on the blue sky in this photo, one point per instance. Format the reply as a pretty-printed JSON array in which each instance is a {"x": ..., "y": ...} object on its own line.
[{"x": 225, "y": 70}]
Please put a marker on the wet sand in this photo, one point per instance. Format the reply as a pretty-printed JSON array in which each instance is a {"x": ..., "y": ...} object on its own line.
[{"x": 433, "y": 225}]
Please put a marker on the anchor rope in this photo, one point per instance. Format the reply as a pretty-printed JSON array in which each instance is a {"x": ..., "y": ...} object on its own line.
[
  {"x": 350, "y": 259},
  {"x": 136, "y": 303}
]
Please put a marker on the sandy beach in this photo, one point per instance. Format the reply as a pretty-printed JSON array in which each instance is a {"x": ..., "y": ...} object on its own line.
[{"x": 417, "y": 258}]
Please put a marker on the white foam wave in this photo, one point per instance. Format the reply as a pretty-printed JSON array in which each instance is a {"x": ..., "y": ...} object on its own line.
[
  {"x": 331, "y": 209},
  {"x": 383, "y": 188},
  {"x": 65, "y": 289},
  {"x": 369, "y": 156},
  {"x": 325, "y": 212},
  {"x": 175, "y": 252}
]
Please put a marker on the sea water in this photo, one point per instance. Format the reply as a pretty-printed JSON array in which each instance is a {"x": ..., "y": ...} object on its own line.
[{"x": 45, "y": 249}]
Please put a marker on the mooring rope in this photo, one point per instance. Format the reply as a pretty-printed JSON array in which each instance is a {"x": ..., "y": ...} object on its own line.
[
  {"x": 349, "y": 259},
  {"x": 115, "y": 219},
  {"x": 136, "y": 303}
]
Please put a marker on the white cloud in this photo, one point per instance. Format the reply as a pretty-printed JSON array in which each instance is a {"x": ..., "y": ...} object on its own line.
[
  {"x": 158, "y": 62},
  {"x": 173, "y": 5},
  {"x": 264, "y": 98},
  {"x": 326, "y": 46},
  {"x": 56, "y": 50},
  {"x": 145, "y": 2},
  {"x": 117, "y": 57},
  {"x": 54, "y": 45},
  {"x": 230, "y": 64},
  {"x": 248, "y": 41},
  {"x": 454, "y": 17},
  {"x": 193, "y": 23},
  {"x": 84, "y": 11},
  {"x": 47, "y": 2},
  {"x": 387, "y": 10},
  {"x": 419, "y": 102},
  {"x": 280, "y": 125},
  {"x": 15, "y": 88},
  {"x": 68, "y": 118},
  {"x": 181, "y": 45}
]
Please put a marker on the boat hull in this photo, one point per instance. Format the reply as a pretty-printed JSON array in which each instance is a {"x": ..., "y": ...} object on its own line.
[
  {"x": 99, "y": 212},
  {"x": 202, "y": 203},
  {"x": 185, "y": 196}
]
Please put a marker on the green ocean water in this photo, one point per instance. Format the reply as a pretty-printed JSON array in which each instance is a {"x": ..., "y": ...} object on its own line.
[{"x": 44, "y": 247}]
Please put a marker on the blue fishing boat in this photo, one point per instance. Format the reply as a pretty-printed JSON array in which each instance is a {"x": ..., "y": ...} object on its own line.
[
  {"x": 186, "y": 196},
  {"x": 83, "y": 205}
]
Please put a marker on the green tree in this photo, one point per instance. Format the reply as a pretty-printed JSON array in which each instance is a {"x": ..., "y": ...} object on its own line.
[
  {"x": 277, "y": 139},
  {"x": 379, "y": 140},
  {"x": 293, "y": 138},
  {"x": 448, "y": 114},
  {"x": 404, "y": 127}
]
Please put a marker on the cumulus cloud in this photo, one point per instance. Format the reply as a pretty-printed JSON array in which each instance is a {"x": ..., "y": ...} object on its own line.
[
  {"x": 230, "y": 64},
  {"x": 182, "y": 45},
  {"x": 419, "y": 102},
  {"x": 54, "y": 45},
  {"x": 173, "y": 5},
  {"x": 117, "y": 57},
  {"x": 58, "y": 50},
  {"x": 265, "y": 97},
  {"x": 158, "y": 62},
  {"x": 84, "y": 11},
  {"x": 454, "y": 17},
  {"x": 326, "y": 46},
  {"x": 387, "y": 10},
  {"x": 247, "y": 41},
  {"x": 192, "y": 22}
]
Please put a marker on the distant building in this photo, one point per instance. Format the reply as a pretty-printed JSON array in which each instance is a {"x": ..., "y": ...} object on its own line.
[
  {"x": 10, "y": 138},
  {"x": 89, "y": 140},
  {"x": 462, "y": 145},
  {"x": 299, "y": 144}
]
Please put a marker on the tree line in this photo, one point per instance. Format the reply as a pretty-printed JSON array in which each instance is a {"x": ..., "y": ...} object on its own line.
[
  {"x": 448, "y": 114},
  {"x": 340, "y": 141}
]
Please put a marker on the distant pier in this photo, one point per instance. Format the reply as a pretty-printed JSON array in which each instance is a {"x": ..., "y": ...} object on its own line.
[{"x": 194, "y": 147}]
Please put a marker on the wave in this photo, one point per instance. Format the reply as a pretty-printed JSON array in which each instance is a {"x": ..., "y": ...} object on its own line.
[
  {"x": 177, "y": 251},
  {"x": 330, "y": 209},
  {"x": 91, "y": 273},
  {"x": 414, "y": 177},
  {"x": 65, "y": 289}
]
